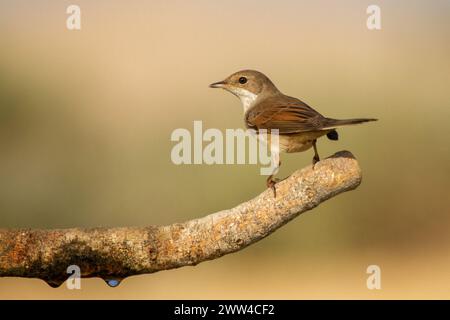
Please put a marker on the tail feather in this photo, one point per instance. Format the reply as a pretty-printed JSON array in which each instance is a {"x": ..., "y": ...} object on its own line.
[
  {"x": 333, "y": 135},
  {"x": 333, "y": 123}
]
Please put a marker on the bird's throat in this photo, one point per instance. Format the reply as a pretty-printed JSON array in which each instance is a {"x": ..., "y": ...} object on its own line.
[{"x": 247, "y": 98}]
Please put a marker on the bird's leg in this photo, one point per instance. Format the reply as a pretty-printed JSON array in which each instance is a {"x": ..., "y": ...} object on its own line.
[
  {"x": 270, "y": 182},
  {"x": 316, "y": 157}
]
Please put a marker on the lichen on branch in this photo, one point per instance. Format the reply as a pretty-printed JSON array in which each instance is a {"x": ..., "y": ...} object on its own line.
[{"x": 116, "y": 253}]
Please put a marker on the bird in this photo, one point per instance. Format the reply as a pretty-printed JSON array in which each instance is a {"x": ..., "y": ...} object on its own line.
[{"x": 265, "y": 107}]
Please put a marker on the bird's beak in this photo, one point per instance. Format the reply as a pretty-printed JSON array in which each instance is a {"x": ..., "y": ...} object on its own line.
[{"x": 220, "y": 84}]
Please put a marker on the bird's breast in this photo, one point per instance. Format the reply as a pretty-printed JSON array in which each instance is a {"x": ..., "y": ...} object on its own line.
[{"x": 294, "y": 142}]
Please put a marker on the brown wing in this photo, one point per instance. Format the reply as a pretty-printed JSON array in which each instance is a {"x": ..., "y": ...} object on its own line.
[{"x": 288, "y": 115}]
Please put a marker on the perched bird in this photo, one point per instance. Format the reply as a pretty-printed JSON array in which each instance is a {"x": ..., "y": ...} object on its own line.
[{"x": 265, "y": 107}]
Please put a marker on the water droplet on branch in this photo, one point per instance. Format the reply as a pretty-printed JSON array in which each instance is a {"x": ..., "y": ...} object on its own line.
[{"x": 112, "y": 282}]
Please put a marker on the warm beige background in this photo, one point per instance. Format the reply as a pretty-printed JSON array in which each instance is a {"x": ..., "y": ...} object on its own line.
[{"x": 86, "y": 118}]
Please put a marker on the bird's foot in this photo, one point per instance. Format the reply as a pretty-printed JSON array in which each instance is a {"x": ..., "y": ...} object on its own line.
[
  {"x": 270, "y": 183},
  {"x": 315, "y": 160}
]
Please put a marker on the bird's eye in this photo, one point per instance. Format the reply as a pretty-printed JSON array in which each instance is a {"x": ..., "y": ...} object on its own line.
[{"x": 242, "y": 80}]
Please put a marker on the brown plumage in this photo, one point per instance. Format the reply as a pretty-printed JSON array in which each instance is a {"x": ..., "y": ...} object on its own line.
[
  {"x": 265, "y": 107},
  {"x": 290, "y": 115}
]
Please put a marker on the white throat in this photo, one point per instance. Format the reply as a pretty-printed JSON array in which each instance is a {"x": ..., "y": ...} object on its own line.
[{"x": 247, "y": 98}]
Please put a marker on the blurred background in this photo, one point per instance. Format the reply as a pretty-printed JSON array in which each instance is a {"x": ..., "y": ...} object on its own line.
[{"x": 86, "y": 118}]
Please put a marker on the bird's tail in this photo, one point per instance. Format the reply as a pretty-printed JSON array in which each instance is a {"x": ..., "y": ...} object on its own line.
[{"x": 334, "y": 123}]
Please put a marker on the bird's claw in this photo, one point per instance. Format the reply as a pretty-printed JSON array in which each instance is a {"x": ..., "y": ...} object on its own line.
[
  {"x": 271, "y": 184},
  {"x": 315, "y": 160}
]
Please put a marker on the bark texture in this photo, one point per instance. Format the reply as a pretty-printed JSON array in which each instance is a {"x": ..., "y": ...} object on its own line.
[{"x": 116, "y": 253}]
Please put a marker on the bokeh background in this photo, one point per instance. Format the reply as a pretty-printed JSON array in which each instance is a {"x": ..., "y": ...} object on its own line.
[{"x": 86, "y": 118}]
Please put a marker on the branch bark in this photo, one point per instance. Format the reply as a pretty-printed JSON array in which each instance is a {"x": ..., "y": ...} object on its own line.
[{"x": 116, "y": 253}]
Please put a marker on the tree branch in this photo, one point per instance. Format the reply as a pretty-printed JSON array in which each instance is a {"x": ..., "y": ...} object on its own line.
[{"x": 116, "y": 253}]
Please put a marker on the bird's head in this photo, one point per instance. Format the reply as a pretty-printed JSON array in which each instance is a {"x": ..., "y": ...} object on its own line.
[{"x": 248, "y": 86}]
